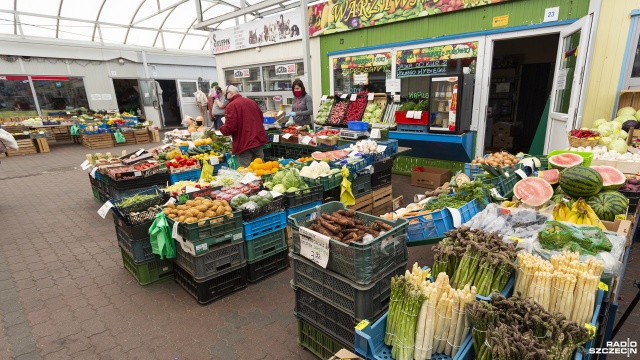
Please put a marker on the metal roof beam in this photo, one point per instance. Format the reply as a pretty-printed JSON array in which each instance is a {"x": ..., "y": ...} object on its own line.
[
  {"x": 159, "y": 11},
  {"x": 248, "y": 10},
  {"x": 276, "y": 11}
]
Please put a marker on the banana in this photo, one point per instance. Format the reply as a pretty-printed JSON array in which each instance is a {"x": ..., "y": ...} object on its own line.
[
  {"x": 594, "y": 218},
  {"x": 573, "y": 217},
  {"x": 508, "y": 204}
]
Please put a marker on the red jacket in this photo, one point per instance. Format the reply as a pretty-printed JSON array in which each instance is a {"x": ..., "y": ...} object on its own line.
[{"x": 244, "y": 122}]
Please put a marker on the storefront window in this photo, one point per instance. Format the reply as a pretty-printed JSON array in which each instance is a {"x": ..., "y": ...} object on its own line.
[
  {"x": 60, "y": 93},
  {"x": 16, "y": 98},
  {"x": 368, "y": 72},
  {"x": 279, "y": 77},
  {"x": 245, "y": 79}
]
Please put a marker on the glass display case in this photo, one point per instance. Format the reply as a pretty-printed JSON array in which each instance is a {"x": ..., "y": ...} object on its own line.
[
  {"x": 443, "y": 103},
  {"x": 279, "y": 77},
  {"x": 245, "y": 79}
]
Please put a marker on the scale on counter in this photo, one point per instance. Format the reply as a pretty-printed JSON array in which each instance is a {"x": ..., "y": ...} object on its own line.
[
  {"x": 271, "y": 126},
  {"x": 355, "y": 135}
]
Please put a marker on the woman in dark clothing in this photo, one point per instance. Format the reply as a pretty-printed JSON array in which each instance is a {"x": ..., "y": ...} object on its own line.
[{"x": 302, "y": 108}]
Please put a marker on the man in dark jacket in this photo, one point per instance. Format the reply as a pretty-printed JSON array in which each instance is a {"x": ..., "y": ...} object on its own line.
[{"x": 243, "y": 120}]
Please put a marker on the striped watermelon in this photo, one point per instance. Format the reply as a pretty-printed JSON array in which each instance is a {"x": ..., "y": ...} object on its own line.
[
  {"x": 565, "y": 160},
  {"x": 608, "y": 204},
  {"x": 580, "y": 182},
  {"x": 612, "y": 178}
]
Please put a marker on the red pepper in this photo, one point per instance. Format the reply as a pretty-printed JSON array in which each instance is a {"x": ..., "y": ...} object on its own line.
[{"x": 418, "y": 169}]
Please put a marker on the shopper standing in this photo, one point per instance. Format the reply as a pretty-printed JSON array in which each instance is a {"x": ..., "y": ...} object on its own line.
[
  {"x": 243, "y": 120},
  {"x": 302, "y": 107},
  {"x": 217, "y": 102}
]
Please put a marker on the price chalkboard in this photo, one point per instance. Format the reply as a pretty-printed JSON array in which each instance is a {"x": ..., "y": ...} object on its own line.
[{"x": 422, "y": 68}]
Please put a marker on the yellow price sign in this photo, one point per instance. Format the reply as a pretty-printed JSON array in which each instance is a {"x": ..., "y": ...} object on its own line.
[
  {"x": 516, "y": 239},
  {"x": 603, "y": 286},
  {"x": 362, "y": 324}
]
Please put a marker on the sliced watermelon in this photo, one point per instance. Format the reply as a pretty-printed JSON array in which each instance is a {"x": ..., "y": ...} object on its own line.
[
  {"x": 318, "y": 155},
  {"x": 565, "y": 160},
  {"x": 551, "y": 176},
  {"x": 612, "y": 178},
  {"x": 533, "y": 191}
]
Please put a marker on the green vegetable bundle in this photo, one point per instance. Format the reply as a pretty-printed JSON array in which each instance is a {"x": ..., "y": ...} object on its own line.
[{"x": 587, "y": 240}]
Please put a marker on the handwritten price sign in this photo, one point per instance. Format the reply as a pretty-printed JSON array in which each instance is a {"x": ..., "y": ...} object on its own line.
[{"x": 314, "y": 246}]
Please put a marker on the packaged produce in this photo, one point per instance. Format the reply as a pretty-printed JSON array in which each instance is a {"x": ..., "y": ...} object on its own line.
[
  {"x": 286, "y": 180},
  {"x": 373, "y": 113}
]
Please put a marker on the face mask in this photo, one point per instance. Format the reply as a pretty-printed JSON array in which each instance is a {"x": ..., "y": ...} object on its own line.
[{"x": 297, "y": 93}]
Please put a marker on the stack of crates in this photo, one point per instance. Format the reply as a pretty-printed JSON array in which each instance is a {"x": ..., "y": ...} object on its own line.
[
  {"x": 361, "y": 190},
  {"x": 355, "y": 284},
  {"x": 382, "y": 190}
]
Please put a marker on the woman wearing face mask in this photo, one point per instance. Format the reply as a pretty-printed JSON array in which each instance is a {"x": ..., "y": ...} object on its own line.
[{"x": 302, "y": 107}]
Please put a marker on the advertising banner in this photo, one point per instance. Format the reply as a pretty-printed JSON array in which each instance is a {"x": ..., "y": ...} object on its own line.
[{"x": 366, "y": 63}]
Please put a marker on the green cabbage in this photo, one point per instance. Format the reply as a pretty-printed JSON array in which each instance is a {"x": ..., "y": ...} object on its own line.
[
  {"x": 619, "y": 146},
  {"x": 628, "y": 110},
  {"x": 614, "y": 125},
  {"x": 604, "y": 130},
  {"x": 292, "y": 189},
  {"x": 277, "y": 178},
  {"x": 605, "y": 141},
  {"x": 290, "y": 180},
  {"x": 280, "y": 189},
  {"x": 599, "y": 122}
]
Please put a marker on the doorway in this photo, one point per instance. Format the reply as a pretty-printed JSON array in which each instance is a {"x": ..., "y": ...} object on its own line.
[
  {"x": 169, "y": 104},
  {"x": 128, "y": 96},
  {"x": 521, "y": 79}
]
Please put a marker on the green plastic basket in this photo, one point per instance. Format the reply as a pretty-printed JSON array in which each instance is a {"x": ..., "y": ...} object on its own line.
[
  {"x": 587, "y": 156},
  {"x": 148, "y": 273},
  {"x": 96, "y": 193},
  {"x": 319, "y": 343},
  {"x": 328, "y": 182},
  {"x": 403, "y": 165},
  {"x": 265, "y": 246}
]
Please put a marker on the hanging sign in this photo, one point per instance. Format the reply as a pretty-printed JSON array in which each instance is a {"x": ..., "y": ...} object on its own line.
[
  {"x": 333, "y": 16},
  {"x": 286, "y": 69},
  {"x": 432, "y": 60},
  {"x": 366, "y": 63}
]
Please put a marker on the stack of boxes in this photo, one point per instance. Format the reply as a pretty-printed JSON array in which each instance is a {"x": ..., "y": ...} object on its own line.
[
  {"x": 382, "y": 197},
  {"x": 503, "y": 135}
]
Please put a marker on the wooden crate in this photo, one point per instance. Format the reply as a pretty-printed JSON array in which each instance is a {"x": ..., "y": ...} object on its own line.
[
  {"x": 14, "y": 128},
  {"x": 364, "y": 203},
  {"x": 42, "y": 144},
  {"x": 629, "y": 98},
  {"x": 3, "y": 155},
  {"x": 25, "y": 147},
  {"x": 128, "y": 136},
  {"x": 154, "y": 135},
  {"x": 97, "y": 141},
  {"x": 141, "y": 136},
  {"x": 382, "y": 209},
  {"x": 382, "y": 196}
]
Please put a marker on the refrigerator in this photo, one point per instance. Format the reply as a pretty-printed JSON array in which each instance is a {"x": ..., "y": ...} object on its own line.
[{"x": 450, "y": 103}]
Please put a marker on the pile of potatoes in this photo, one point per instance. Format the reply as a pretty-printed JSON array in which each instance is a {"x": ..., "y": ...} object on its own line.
[{"x": 198, "y": 210}]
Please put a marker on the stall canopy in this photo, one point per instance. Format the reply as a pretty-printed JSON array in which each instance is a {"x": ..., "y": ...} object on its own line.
[{"x": 165, "y": 24}]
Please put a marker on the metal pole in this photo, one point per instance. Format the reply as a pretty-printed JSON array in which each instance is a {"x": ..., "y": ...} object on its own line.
[{"x": 305, "y": 46}]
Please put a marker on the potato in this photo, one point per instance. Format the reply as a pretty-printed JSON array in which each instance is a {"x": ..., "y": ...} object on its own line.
[
  {"x": 228, "y": 209},
  {"x": 197, "y": 203},
  {"x": 225, "y": 203},
  {"x": 199, "y": 198},
  {"x": 175, "y": 211},
  {"x": 200, "y": 215},
  {"x": 181, "y": 212},
  {"x": 173, "y": 216},
  {"x": 194, "y": 212},
  {"x": 214, "y": 208},
  {"x": 209, "y": 214},
  {"x": 181, "y": 207},
  {"x": 181, "y": 218},
  {"x": 189, "y": 203},
  {"x": 202, "y": 208},
  {"x": 217, "y": 202},
  {"x": 220, "y": 210},
  {"x": 201, "y": 223},
  {"x": 167, "y": 212},
  {"x": 230, "y": 216},
  {"x": 207, "y": 203},
  {"x": 171, "y": 205},
  {"x": 190, "y": 220}
]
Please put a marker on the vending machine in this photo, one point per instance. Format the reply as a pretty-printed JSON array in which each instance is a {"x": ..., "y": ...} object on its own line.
[{"x": 450, "y": 103}]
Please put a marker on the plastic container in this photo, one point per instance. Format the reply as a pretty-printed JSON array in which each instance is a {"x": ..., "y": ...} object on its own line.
[
  {"x": 264, "y": 225},
  {"x": 215, "y": 287},
  {"x": 96, "y": 193},
  {"x": 359, "y": 301},
  {"x": 157, "y": 197},
  {"x": 133, "y": 231},
  {"x": 633, "y": 197},
  {"x": 327, "y": 181},
  {"x": 471, "y": 170},
  {"x": 369, "y": 343},
  {"x": 302, "y": 197},
  {"x": 504, "y": 184},
  {"x": 320, "y": 344},
  {"x": 579, "y": 355},
  {"x": 139, "y": 250},
  {"x": 380, "y": 179},
  {"x": 587, "y": 156},
  {"x": 150, "y": 272},
  {"x": 265, "y": 245},
  {"x": 404, "y": 165},
  {"x": 297, "y": 209},
  {"x": 391, "y": 144},
  {"x": 331, "y": 195},
  {"x": 361, "y": 185},
  {"x": 357, "y": 262},
  {"x": 358, "y": 126},
  {"x": 412, "y": 128},
  {"x": 189, "y": 175},
  {"x": 159, "y": 179},
  {"x": 429, "y": 226},
  {"x": 211, "y": 263},
  {"x": 275, "y": 206},
  {"x": 269, "y": 120},
  {"x": 470, "y": 209},
  {"x": 352, "y": 166},
  {"x": 268, "y": 266}
]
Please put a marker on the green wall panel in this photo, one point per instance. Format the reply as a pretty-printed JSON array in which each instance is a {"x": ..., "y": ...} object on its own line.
[{"x": 521, "y": 12}]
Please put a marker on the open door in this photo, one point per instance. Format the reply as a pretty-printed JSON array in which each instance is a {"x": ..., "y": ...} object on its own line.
[
  {"x": 150, "y": 102},
  {"x": 567, "y": 83},
  {"x": 186, "y": 91}
]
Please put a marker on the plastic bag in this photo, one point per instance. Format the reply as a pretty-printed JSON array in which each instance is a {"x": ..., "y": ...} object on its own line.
[
  {"x": 589, "y": 240},
  {"x": 207, "y": 170},
  {"x": 8, "y": 140},
  {"x": 73, "y": 130},
  {"x": 346, "y": 195},
  {"x": 119, "y": 137},
  {"x": 162, "y": 243}
]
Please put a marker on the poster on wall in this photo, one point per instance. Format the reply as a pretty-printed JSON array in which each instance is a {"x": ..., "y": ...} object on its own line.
[
  {"x": 286, "y": 69},
  {"x": 432, "y": 60},
  {"x": 271, "y": 30},
  {"x": 366, "y": 63},
  {"x": 333, "y": 16}
]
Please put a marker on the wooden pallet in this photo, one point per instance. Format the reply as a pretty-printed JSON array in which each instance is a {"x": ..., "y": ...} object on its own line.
[
  {"x": 382, "y": 209},
  {"x": 382, "y": 196},
  {"x": 14, "y": 128},
  {"x": 3, "y": 155},
  {"x": 364, "y": 203},
  {"x": 128, "y": 136},
  {"x": 97, "y": 141},
  {"x": 25, "y": 147},
  {"x": 142, "y": 136},
  {"x": 43, "y": 145},
  {"x": 154, "y": 135}
]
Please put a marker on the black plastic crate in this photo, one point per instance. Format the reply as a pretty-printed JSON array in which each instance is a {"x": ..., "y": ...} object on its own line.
[
  {"x": 380, "y": 179},
  {"x": 331, "y": 195},
  {"x": 633, "y": 197},
  {"x": 276, "y": 205},
  {"x": 361, "y": 184},
  {"x": 268, "y": 266},
  {"x": 214, "y": 288},
  {"x": 139, "y": 249},
  {"x": 140, "y": 182},
  {"x": 382, "y": 165},
  {"x": 215, "y": 261},
  {"x": 133, "y": 231},
  {"x": 302, "y": 197}
]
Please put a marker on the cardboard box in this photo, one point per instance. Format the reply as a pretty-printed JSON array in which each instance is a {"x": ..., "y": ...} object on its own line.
[
  {"x": 622, "y": 227},
  {"x": 627, "y": 167},
  {"x": 503, "y": 142},
  {"x": 430, "y": 177},
  {"x": 344, "y": 354},
  {"x": 504, "y": 130}
]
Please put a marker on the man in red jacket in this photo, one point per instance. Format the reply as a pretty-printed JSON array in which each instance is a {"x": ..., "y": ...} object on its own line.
[{"x": 243, "y": 120}]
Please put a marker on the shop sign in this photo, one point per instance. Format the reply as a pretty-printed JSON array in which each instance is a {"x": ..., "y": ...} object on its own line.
[
  {"x": 277, "y": 98},
  {"x": 268, "y": 31},
  {"x": 361, "y": 79},
  {"x": 286, "y": 69},
  {"x": 241, "y": 73},
  {"x": 432, "y": 60},
  {"x": 333, "y": 16},
  {"x": 366, "y": 63}
]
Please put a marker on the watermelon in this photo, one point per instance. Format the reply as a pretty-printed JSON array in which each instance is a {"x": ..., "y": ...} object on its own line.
[
  {"x": 533, "y": 191},
  {"x": 612, "y": 178},
  {"x": 552, "y": 176},
  {"x": 580, "y": 182},
  {"x": 608, "y": 204},
  {"x": 565, "y": 160}
]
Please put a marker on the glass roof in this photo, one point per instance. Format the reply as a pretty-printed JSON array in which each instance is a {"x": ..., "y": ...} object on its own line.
[{"x": 151, "y": 23}]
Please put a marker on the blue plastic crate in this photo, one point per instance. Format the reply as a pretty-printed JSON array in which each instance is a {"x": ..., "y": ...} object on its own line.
[
  {"x": 358, "y": 126},
  {"x": 353, "y": 167},
  {"x": 300, "y": 208},
  {"x": 189, "y": 175},
  {"x": 429, "y": 226},
  {"x": 469, "y": 210},
  {"x": 264, "y": 225},
  {"x": 369, "y": 343},
  {"x": 507, "y": 291},
  {"x": 412, "y": 128},
  {"x": 269, "y": 120},
  {"x": 390, "y": 144},
  {"x": 594, "y": 321}
]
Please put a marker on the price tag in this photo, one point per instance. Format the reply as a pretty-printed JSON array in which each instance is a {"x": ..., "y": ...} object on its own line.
[
  {"x": 190, "y": 189},
  {"x": 603, "y": 286},
  {"x": 276, "y": 138},
  {"x": 410, "y": 114},
  {"x": 457, "y": 217},
  {"x": 137, "y": 173},
  {"x": 93, "y": 172},
  {"x": 191, "y": 144},
  {"x": 396, "y": 98},
  {"x": 323, "y": 98},
  {"x": 286, "y": 136},
  {"x": 217, "y": 132},
  {"x": 344, "y": 96},
  {"x": 166, "y": 146},
  {"x": 214, "y": 160},
  {"x": 381, "y": 148},
  {"x": 25, "y": 132},
  {"x": 353, "y": 97},
  {"x": 104, "y": 210},
  {"x": 551, "y": 14},
  {"x": 171, "y": 201},
  {"x": 275, "y": 194},
  {"x": 41, "y": 132},
  {"x": 248, "y": 178},
  {"x": 174, "y": 230},
  {"x": 323, "y": 137},
  {"x": 85, "y": 165},
  {"x": 370, "y": 96},
  {"x": 306, "y": 140},
  {"x": 516, "y": 239},
  {"x": 139, "y": 152},
  {"x": 521, "y": 173},
  {"x": 314, "y": 246},
  {"x": 375, "y": 134},
  {"x": 417, "y": 115},
  {"x": 362, "y": 324}
]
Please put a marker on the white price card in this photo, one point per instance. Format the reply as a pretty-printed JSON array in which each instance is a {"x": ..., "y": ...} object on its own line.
[
  {"x": 551, "y": 14},
  {"x": 521, "y": 173},
  {"x": 191, "y": 144},
  {"x": 344, "y": 96},
  {"x": 306, "y": 140},
  {"x": 375, "y": 134},
  {"x": 323, "y": 98},
  {"x": 314, "y": 246},
  {"x": 85, "y": 165},
  {"x": 286, "y": 136},
  {"x": 353, "y": 97},
  {"x": 41, "y": 132},
  {"x": 276, "y": 138},
  {"x": 248, "y": 178},
  {"x": 396, "y": 98},
  {"x": 139, "y": 152},
  {"x": 137, "y": 173},
  {"x": 217, "y": 132},
  {"x": 93, "y": 172},
  {"x": 417, "y": 115},
  {"x": 275, "y": 194},
  {"x": 166, "y": 146},
  {"x": 25, "y": 132},
  {"x": 381, "y": 148},
  {"x": 174, "y": 230},
  {"x": 214, "y": 160},
  {"x": 370, "y": 96},
  {"x": 323, "y": 137},
  {"x": 190, "y": 189},
  {"x": 457, "y": 217},
  {"x": 410, "y": 114},
  {"x": 104, "y": 210}
]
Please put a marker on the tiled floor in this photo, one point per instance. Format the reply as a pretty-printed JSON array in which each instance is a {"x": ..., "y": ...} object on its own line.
[{"x": 65, "y": 295}]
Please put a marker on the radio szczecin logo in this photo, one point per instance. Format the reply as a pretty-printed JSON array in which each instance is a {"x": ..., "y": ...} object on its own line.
[{"x": 627, "y": 347}]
